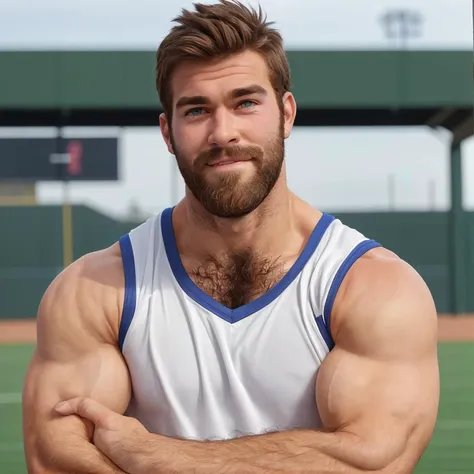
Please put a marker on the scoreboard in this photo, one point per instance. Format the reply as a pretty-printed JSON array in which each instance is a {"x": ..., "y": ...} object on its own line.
[{"x": 58, "y": 159}]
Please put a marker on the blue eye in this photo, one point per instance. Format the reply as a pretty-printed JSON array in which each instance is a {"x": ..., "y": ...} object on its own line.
[
  {"x": 248, "y": 102},
  {"x": 195, "y": 111}
]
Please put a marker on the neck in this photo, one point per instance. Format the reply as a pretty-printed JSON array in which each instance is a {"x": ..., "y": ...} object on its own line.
[{"x": 265, "y": 228}]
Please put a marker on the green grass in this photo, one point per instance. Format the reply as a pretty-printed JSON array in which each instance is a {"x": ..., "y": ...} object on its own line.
[
  {"x": 451, "y": 450},
  {"x": 13, "y": 364}
]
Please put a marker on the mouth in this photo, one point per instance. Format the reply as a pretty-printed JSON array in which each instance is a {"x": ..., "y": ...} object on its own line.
[{"x": 227, "y": 161}]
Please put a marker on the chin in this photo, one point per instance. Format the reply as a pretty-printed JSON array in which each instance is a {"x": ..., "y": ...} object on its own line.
[{"x": 231, "y": 214}]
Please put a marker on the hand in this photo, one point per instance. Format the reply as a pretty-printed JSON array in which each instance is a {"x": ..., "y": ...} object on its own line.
[{"x": 119, "y": 437}]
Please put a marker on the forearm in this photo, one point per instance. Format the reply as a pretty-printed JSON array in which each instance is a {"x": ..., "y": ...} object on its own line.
[
  {"x": 72, "y": 454},
  {"x": 289, "y": 451}
]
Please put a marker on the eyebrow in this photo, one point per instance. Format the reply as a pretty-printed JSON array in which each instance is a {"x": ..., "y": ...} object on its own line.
[
  {"x": 234, "y": 94},
  {"x": 250, "y": 90}
]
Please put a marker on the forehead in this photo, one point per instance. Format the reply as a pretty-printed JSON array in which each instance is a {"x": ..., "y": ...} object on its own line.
[{"x": 214, "y": 78}]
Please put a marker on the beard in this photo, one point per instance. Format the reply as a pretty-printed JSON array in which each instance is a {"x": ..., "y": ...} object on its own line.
[{"x": 228, "y": 195}]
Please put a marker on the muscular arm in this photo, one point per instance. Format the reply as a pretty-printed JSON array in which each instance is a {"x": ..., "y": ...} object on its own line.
[
  {"x": 377, "y": 391},
  {"x": 76, "y": 355}
]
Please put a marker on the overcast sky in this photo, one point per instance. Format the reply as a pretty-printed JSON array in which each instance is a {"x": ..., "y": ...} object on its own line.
[
  {"x": 333, "y": 169},
  {"x": 303, "y": 23}
]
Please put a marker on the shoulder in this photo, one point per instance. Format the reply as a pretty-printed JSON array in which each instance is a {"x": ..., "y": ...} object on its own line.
[
  {"x": 382, "y": 295},
  {"x": 93, "y": 275},
  {"x": 86, "y": 297}
]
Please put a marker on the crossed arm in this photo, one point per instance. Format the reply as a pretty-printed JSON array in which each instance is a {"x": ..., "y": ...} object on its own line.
[
  {"x": 377, "y": 393},
  {"x": 75, "y": 356}
]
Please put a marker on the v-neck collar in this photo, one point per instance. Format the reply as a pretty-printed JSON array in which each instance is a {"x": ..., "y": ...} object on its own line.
[{"x": 206, "y": 301}]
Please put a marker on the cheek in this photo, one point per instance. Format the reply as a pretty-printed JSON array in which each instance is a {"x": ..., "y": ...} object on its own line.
[
  {"x": 270, "y": 117},
  {"x": 182, "y": 141},
  {"x": 189, "y": 137},
  {"x": 261, "y": 127}
]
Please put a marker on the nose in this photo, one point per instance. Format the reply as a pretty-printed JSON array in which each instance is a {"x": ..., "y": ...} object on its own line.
[{"x": 223, "y": 130}]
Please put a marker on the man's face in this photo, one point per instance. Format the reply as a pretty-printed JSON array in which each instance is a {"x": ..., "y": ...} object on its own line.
[{"x": 228, "y": 131}]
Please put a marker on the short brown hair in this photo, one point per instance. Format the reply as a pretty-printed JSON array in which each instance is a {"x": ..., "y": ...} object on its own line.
[{"x": 214, "y": 32}]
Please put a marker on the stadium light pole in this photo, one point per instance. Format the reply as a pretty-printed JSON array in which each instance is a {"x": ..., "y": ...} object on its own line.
[{"x": 400, "y": 25}]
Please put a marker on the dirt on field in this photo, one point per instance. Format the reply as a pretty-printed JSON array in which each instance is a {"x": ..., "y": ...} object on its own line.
[
  {"x": 17, "y": 331},
  {"x": 451, "y": 328},
  {"x": 456, "y": 328}
]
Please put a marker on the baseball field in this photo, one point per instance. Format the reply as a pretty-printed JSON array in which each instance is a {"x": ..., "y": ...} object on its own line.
[{"x": 451, "y": 450}]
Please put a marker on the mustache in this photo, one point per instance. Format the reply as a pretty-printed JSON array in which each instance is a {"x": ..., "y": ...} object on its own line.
[{"x": 236, "y": 151}]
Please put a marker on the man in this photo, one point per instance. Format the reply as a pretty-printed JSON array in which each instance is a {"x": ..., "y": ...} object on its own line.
[{"x": 241, "y": 331}]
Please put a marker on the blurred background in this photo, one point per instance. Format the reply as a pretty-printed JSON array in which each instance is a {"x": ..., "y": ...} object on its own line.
[{"x": 383, "y": 140}]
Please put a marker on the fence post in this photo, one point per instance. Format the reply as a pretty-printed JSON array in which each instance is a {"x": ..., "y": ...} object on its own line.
[{"x": 457, "y": 234}]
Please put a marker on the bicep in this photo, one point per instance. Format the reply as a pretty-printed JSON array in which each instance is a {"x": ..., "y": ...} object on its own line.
[
  {"x": 380, "y": 382},
  {"x": 390, "y": 406},
  {"x": 75, "y": 356}
]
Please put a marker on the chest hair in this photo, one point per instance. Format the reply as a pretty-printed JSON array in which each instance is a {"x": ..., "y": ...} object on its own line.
[{"x": 237, "y": 279}]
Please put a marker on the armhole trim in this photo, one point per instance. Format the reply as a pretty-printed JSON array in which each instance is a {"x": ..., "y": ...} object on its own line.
[
  {"x": 323, "y": 330},
  {"x": 130, "y": 297},
  {"x": 356, "y": 253}
]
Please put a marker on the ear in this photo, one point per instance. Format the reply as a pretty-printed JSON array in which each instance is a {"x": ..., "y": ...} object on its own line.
[
  {"x": 166, "y": 132},
  {"x": 289, "y": 112}
]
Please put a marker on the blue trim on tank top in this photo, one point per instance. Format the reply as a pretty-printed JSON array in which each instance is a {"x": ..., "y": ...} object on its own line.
[
  {"x": 130, "y": 297},
  {"x": 206, "y": 301},
  {"x": 356, "y": 253},
  {"x": 324, "y": 331}
]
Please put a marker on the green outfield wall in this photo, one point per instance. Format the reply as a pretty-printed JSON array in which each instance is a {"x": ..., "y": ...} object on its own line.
[{"x": 31, "y": 249}]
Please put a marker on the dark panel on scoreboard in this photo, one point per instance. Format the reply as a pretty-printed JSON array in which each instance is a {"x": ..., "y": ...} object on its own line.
[{"x": 54, "y": 159}]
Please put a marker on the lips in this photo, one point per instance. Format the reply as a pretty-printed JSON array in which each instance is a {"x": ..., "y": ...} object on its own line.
[{"x": 227, "y": 161}]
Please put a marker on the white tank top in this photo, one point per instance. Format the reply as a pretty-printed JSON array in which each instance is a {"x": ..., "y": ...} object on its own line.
[{"x": 200, "y": 370}]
